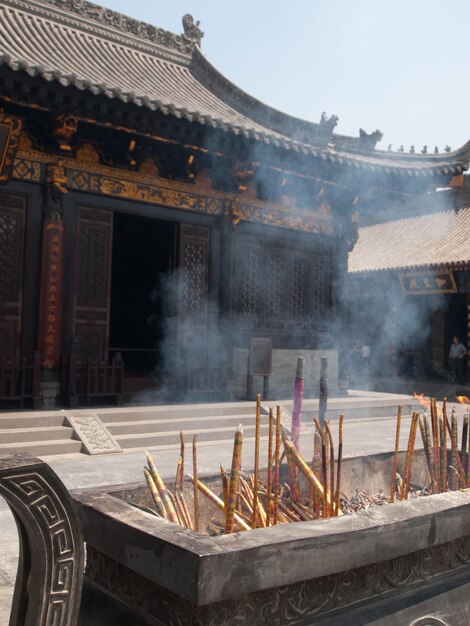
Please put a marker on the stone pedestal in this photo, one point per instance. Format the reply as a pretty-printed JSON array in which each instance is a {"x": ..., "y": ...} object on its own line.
[{"x": 49, "y": 391}]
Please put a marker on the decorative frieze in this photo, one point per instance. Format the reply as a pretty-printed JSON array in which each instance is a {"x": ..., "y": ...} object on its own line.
[{"x": 145, "y": 186}]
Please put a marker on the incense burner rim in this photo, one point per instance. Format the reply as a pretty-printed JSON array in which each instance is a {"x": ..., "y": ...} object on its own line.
[{"x": 206, "y": 569}]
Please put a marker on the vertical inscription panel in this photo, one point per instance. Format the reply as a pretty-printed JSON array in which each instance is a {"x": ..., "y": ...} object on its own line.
[
  {"x": 92, "y": 282},
  {"x": 12, "y": 233}
]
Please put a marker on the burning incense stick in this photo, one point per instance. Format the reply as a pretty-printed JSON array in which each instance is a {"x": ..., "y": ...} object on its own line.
[
  {"x": 277, "y": 450},
  {"x": 294, "y": 485},
  {"x": 463, "y": 447},
  {"x": 340, "y": 458},
  {"x": 224, "y": 477},
  {"x": 424, "y": 430},
  {"x": 256, "y": 468},
  {"x": 395, "y": 456},
  {"x": 154, "y": 493},
  {"x": 210, "y": 495},
  {"x": 297, "y": 408},
  {"x": 332, "y": 464},
  {"x": 162, "y": 490},
  {"x": 182, "y": 461},
  {"x": 435, "y": 443},
  {"x": 195, "y": 481},
  {"x": 307, "y": 472},
  {"x": 233, "y": 485},
  {"x": 443, "y": 444},
  {"x": 456, "y": 462},
  {"x": 269, "y": 470},
  {"x": 316, "y": 467},
  {"x": 323, "y": 467},
  {"x": 413, "y": 430}
]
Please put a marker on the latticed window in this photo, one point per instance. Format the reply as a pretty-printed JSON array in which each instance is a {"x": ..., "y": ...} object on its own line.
[{"x": 282, "y": 285}]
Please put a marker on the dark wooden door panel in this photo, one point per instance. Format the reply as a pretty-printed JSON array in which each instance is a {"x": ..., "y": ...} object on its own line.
[
  {"x": 92, "y": 283},
  {"x": 12, "y": 234}
]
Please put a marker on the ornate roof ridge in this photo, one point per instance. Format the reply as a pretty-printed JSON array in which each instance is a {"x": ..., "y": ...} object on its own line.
[{"x": 109, "y": 19}]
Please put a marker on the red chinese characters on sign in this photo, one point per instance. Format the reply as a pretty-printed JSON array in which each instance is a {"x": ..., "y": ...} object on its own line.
[{"x": 51, "y": 289}]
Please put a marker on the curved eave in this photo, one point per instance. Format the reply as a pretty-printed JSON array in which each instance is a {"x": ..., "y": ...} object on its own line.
[
  {"x": 453, "y": 265},
  {"x": 371, "y": 163},
  {"x": 59, "y": 46}
]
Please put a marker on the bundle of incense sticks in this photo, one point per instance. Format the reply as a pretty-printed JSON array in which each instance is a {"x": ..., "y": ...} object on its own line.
[
  {"x": 245, "y": 500},
  {"x": 447, "y": 469}
]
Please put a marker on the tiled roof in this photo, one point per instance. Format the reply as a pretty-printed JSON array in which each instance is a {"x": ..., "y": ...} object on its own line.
[
  {"x": 434, "y": 240},
  {"x": 78, "y": 43}
]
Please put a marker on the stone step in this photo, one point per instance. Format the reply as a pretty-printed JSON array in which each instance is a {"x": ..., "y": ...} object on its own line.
[
  {"x": 43, "y": 448},
  {"x": 30, "y": 435},
  {"x": 31, "y": 420},
  {"x": 172, "y": 412},
  {"x": 153, "y": 440},
  {"x": 159, "y": 425}
]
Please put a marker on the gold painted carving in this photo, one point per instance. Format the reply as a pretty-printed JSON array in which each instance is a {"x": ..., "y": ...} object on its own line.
[
  {"x": 149, "y": 167},
  {"x": 88, "y": 153},
  {"x": 23, "y": 169},
  {"x": 56, "y": 177},
  {"x": 199, "y": 197},
  {"x": 10, "y": 132}
]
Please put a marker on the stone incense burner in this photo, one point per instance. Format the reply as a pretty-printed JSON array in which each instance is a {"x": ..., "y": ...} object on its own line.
[{"x": 388, "y": 565}]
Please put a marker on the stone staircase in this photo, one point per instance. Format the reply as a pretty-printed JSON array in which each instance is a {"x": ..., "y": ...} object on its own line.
[{"x": 44, "y": 433}]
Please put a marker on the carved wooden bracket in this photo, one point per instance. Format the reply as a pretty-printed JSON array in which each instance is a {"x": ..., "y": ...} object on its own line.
[
  {"x": 10, "y": 132},
  {"x": 51, "y": 560}
]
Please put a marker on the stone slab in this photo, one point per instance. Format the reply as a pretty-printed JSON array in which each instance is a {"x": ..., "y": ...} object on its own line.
[{"x": 93, "y": 434}]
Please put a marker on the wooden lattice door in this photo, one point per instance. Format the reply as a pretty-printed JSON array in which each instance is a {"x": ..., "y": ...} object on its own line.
[
  {"x": 192, "y": 340},
  {"x": 92, "y": 283},
  {"x": 12, "y": 234}
]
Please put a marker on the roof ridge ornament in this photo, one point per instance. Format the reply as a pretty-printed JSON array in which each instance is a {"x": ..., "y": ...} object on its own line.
[
  {"x": 192, "y": 32},
  {"x": 109, "y": 18},
  {"x": 327, "y": 125},
  {"x": 368, "y": 141}
]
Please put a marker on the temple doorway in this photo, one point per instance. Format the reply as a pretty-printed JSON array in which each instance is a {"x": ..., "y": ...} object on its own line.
[{"x": 144, "y": 254}]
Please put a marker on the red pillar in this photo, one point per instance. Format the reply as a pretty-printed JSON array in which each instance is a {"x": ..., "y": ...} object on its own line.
[
  {"x": 50, "y": 311},
  {"x": 52, "y": 267}
]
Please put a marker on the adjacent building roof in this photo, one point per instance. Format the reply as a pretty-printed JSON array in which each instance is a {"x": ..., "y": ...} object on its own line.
[
  {"x": 98, "y": 50},
  {"x": 437, "y": 240}
]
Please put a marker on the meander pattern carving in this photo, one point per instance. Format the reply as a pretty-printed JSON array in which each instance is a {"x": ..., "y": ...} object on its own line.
[
  {"x": 9, "y": 241},
  {"x": 63, "y": 554},
  {"x": 285, "y": 605}
]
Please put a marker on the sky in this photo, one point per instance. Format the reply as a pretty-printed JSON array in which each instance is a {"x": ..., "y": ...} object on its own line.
[{"x": 397, "y": 65}]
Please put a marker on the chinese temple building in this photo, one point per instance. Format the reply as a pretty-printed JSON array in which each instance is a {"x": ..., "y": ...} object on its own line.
[
  {"x": 411, "y": 274},
  {"x": 155, "y": 219}
]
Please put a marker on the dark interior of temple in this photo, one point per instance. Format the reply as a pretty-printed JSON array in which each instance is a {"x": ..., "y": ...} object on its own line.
[{"x": 143, "y": 255}]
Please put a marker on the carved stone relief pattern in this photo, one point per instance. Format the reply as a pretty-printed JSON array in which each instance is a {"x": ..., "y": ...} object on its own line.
[
  {"x": 63, "y": 554},
  {"x": 285, "y": 605},
  {"x": 94, "y": 435},
  {"x": 92, "y": 274}
]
